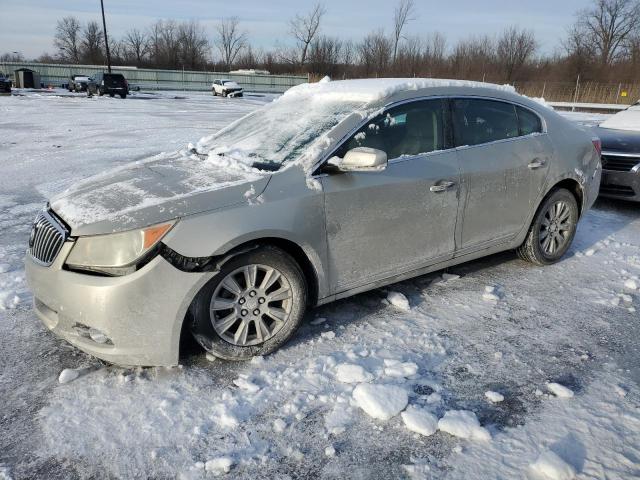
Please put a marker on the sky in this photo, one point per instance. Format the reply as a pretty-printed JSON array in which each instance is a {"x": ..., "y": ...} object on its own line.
[{"x": 28, "y": 26}]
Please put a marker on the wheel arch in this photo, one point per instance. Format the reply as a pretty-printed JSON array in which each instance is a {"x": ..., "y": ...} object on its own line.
[{"x": 574, "y": 187}]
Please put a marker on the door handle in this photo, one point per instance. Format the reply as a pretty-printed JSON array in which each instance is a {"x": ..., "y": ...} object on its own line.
[
  {"x": 537, "y": 163},
  {"x": 441, "y": 187}
]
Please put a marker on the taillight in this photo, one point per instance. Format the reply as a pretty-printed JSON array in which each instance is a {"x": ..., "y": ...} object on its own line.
[{"x": 597, "y": 144}]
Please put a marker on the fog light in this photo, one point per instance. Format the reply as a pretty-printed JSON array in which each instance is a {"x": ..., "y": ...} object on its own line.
[{"x": 92, "y": 333}]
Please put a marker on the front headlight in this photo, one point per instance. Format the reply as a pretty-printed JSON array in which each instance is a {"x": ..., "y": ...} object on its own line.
[{"x": 116, "y": 253}]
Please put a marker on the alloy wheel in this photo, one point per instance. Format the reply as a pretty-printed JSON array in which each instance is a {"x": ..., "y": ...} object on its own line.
[
  {"x": 250, "y": 305},
  {"x": 556, "y": 228}
]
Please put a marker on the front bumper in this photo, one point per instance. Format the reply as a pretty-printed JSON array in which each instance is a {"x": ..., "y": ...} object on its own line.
[
  {"x": 621, "y": 185},
  {"x": 140, "y": 314}
]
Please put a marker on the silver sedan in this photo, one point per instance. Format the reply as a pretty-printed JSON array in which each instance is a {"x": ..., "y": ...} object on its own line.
[{"x": 333, "y": 189}]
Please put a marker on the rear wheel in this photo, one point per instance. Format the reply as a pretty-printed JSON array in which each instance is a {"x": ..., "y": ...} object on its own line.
[
  {"x": 252, "y": 307},
  {"x": 552, "y": 230},
  {"x": 123, "y": 95}
]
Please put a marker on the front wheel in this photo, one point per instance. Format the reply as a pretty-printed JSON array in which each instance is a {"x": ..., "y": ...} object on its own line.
[
  {"x": 123, "y": 96},
  {"x": 552, "y": 230},
  {"x": 252, "y": 307}
]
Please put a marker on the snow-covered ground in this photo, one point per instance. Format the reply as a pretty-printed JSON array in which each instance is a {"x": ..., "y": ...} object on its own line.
[{"x": 495, "y": 369}]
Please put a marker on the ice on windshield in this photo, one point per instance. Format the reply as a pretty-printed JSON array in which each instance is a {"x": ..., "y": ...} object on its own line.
[{"x": 280, "y": 131}]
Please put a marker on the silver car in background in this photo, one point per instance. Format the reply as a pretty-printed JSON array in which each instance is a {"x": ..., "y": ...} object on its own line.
[{"x": 333, "y": 189}]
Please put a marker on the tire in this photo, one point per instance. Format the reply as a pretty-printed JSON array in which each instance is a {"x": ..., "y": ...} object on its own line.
[
  {"x": 100, "y": 92},
  {"x": 243, "y": 310},
  {"x": 123, "y": 96},
  {"x": 552, "y": 230},
  {"x": 112, "y": 95},
  {"x": 213, "y": 90}
]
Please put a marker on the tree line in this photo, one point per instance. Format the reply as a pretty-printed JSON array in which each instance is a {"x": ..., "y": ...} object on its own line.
[{"x": 603, "y": 44}]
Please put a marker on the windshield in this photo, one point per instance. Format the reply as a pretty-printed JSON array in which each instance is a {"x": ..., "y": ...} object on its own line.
[{"x": 280, "y": 131}]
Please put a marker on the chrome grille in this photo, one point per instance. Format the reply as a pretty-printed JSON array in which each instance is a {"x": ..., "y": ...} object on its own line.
[
  {"x": 47, "y": 237},
  {"x": 620, "y": 162}
]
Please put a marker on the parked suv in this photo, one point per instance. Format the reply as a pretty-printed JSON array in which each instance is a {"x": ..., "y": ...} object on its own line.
[
  {"x": 374, "y": 182},
  {"x": 226, "y": 88},
  {"x": 108, "y": 84},
  {"x": 5, "y": 83},
  {"x": 78, "y": 83}
]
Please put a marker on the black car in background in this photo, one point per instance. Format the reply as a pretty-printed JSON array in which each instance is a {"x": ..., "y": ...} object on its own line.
[
  {"x": 5, "y": 83},
  {"x": 108, "y": 84},
  {"x": 78, "y": 83},
  {"x": 620, "y": 136}
]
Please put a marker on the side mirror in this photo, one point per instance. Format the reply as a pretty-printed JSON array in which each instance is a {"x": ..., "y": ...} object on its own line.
[{"x": 363, "y": 159}]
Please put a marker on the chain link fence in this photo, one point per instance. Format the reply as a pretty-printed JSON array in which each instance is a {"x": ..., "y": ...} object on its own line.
[{"x": 148, "y": 79}]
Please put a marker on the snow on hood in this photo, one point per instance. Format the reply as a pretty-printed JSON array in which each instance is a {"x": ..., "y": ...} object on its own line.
[
  {"x": 154, "y": 190},
  {"x": 628, "y": 119}
]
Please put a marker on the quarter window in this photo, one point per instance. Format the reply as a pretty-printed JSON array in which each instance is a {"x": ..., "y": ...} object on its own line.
[
  {"x": 529, "y": 122},
  {"x": 411, "y": 129},
  {"x": 483, "y": 121}
]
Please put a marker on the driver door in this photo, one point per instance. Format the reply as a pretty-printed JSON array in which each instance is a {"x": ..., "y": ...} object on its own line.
[{"x": 380, "y": 224}]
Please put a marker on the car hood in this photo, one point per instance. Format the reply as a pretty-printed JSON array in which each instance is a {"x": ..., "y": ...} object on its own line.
[
  {"x": 155, "y": 190},
  {"x": 628, "y": 119},
  {"x": 621, "y": 141}
]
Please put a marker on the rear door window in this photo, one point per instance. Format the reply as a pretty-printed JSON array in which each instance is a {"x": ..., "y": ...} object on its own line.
[
  {"x": 406, "y": 130},
  {"x": 478, "y": 121},
  {"x": 529, "y": 122}
]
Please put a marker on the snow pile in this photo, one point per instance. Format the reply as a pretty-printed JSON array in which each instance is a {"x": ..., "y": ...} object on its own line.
[
  {"x": 219, "y": 465},
  {"x": 631, "y": 285},
  {"x": 559, "y": 390},
  {"x": 398, "y": 369},
  {"x": 491, "y": 294},
  {"x": 350, "y": 373},
  {"x": 399, "y": 301},
  {"x": 380, "y": 401},
  {"x": 494, "y": 397},
  {"x": 550, "y": 466},
  {"x": 463, "y": 424},
  {"x": 8, "y": 300},
  {"x": 420, "y": 421}
]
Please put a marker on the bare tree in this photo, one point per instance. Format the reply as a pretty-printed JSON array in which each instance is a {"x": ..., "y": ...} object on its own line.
[
  {"x": 12, "y": 57},
  {"x": 194, "y": 45},
  {"x": 514, "y": 49},
  {"x": 403, "y": 14},
  {"x": 472, "y": 57},
  {"x": 324, "y": 55},
  {"x": 605, "y": 28},
  {"x": 304, "y": 28},
  {"x": 67, "y": 39},
  {"x": 92, "y": 43},
  {"x": 231, "y": 41},
  {"x": 136, "y": 46},
  {"x": 376, "y": 51}
]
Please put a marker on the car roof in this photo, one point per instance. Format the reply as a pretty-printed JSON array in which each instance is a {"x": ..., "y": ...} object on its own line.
[{"x": 386, "y": 90}]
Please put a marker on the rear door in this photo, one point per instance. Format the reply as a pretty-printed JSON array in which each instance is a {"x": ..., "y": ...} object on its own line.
[
  {"x": 503, "y": 168},
  {"x": 383, "y": 223}
]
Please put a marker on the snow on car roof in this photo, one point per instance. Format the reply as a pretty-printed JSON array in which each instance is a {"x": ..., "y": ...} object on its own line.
[{"x": 371, "y": 90}]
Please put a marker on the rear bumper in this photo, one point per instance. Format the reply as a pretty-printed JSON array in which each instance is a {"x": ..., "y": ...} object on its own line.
[
  {"x": 140, "y": 314},
  {"x": 621, "y": 185}
]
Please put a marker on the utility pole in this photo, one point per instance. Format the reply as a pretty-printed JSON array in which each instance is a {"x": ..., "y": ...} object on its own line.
[{"x": 106, "y": 40}]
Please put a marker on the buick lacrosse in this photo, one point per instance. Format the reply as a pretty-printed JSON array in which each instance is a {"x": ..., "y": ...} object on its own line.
[{"x": 333, "y": 189}]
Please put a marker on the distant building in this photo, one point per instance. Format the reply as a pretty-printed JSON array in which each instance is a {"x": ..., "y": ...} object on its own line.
[
  {"x": 250, "y": 71},
  {"x": 26, "y": 78}
]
